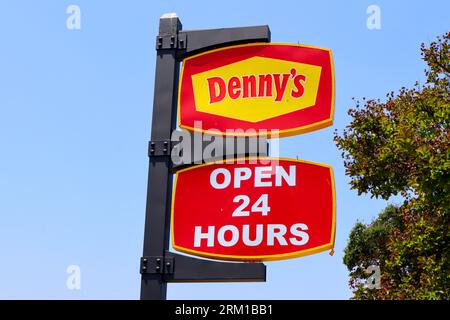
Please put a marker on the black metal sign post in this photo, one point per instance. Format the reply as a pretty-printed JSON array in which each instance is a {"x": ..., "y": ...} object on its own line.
[{"x": 158, "y": 265}]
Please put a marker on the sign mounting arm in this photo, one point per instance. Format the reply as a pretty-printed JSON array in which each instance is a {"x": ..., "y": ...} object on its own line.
[{"x": 196, "y": 41}]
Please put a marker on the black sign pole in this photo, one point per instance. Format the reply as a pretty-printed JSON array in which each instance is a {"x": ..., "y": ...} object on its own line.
[
  {"x": 157, "y": 216},
  {"x": 158, "y": 265}
]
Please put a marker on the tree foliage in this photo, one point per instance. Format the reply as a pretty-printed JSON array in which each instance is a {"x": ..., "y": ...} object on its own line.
[{"x": 402, "y": 146}]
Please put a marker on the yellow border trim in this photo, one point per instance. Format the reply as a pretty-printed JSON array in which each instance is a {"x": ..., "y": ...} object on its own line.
[
  {"x": 281, "y": 133},
  {"x": 296, "y": 254}
]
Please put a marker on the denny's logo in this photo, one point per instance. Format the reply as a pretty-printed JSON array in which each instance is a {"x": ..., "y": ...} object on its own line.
[
  {"x": 289, "y": 88},
  {"x": 272, "y": 85},
  {"x": 256, "y": 89}
]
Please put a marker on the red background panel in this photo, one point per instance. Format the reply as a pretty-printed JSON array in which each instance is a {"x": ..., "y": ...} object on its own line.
[
  {"x": 321, "y": 111},
  {"x": 197, "y": 203}
]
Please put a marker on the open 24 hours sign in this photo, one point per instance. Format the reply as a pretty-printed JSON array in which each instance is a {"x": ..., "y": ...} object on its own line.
[
  {"x": 254, "y": 209},
  {"x": 285, "y": 88}
]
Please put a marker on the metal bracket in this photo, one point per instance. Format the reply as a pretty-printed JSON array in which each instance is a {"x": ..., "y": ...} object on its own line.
[
  {"x": 193, "y": 269},
  {"x": 159, "y": 148},
  {"x": 167, "y": 41},
  {"x": 171, "y": 41},
  {"x": 151, "y": 264},
  {"x": 169, "y": 264},
  {"x": 182, "y": 41},
  {"x": 157, "y": 265}
]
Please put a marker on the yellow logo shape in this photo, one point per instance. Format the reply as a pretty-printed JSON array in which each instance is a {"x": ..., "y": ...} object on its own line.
[{"x": 256, "y": 89}]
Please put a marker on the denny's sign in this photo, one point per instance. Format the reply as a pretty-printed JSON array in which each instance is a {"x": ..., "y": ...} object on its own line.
[
  {"x": 254, "y": 210},
  {"x": 262, "y": 87}
]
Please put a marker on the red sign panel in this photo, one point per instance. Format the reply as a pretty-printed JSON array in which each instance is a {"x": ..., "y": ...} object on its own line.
[
  {"x": 254, "y": 210},
  {"x": 247, "y": 89}
]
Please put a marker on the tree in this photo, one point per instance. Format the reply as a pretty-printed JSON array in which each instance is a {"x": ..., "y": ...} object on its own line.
[{"x": 402, "y": 146}]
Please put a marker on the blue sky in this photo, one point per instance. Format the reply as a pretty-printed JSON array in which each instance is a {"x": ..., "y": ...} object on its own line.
[{"x": 75, "y": 111}]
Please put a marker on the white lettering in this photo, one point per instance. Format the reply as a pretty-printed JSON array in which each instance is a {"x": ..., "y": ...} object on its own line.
[
  {"x": 234, "y": 236},
  {"x": 253, "y": 235},
  {"x": 208, "y": 236},
  {"x": 276, "y": 231},
  {"x": 246, "y": 235},
  {"x": 241, "y": 174},
  {"x": 297, "y": 231},
  {"x": 226, "y": 178},
  {"x": 261, "y": 173},
  {"x": 288, "y": 178}
]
